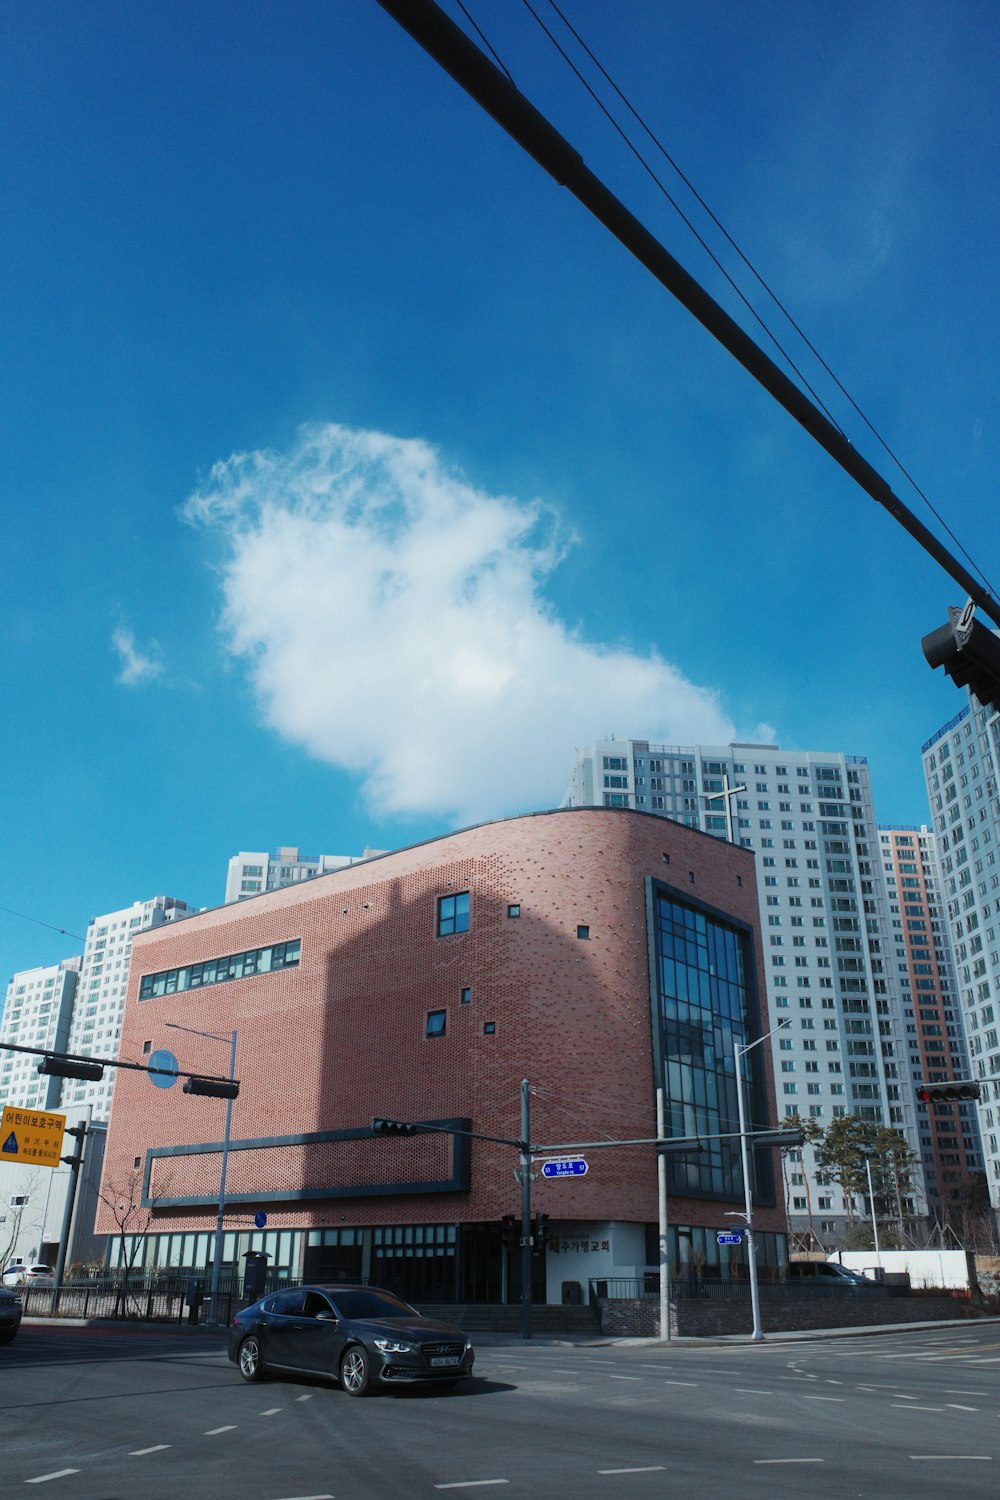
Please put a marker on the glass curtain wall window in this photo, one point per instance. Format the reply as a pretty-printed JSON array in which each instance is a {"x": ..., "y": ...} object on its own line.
[{"x": 704, "y": 1004}]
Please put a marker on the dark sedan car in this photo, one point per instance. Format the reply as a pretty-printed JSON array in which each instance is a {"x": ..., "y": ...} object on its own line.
[
  {"x": 10, "y": 1315},
  {"x": 366, "y": 1338}
]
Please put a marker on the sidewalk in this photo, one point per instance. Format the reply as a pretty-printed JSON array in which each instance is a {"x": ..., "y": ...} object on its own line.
[{"x": 543, "y": 1341}]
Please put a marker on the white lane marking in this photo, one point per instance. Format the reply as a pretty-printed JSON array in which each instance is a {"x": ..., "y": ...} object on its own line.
[
  {"x": 789, "y": 1460},
  {"x": 681, "y": 1382},
  {"x": 745, "y": 1390},
  {"x": 141, "y": 1452},
  {"x": 212, "y": 1431},
  {"x": 955, "y": 1407},
  {"x": 468, "y": 1484},
  {"x": 649, "y": 1469},
  {"x": 555, "y": 1370},
  {"x": 624, "y": 1377},
  {"x": 841, "y": 1399},
  {"x": 303, "y": 1398},
  {"x": 897, "y": 1407},
  {"x": 272, "y": 1411},
  {"x": 308, "y": 1497},
  {"x": 952, "y": 1458},
  {"x": 56, "y": 1474},
  {"x": 965, "y": 1393},
  {"x": 902, "y": 1396}
]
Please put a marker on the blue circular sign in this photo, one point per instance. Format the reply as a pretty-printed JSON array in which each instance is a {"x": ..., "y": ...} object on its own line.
[
  {"x": 166, "y": 1060},
  {"x": 260, "y": 1218}
]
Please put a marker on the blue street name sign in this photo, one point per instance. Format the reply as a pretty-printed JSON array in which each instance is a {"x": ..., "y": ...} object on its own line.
[
  {"x": 565, "y": 1166},
  {"x": 729, "y": 1237}
]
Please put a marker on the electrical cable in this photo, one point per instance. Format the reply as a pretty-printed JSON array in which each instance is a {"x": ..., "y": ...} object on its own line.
[
  {"x": 747, "y": 262},
  {"x": 786, "y": 356},
  {"x": 39, "y": 923}
]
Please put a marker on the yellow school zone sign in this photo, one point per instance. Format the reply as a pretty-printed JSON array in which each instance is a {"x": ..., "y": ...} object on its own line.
[{"x": 31, "y": 1136}]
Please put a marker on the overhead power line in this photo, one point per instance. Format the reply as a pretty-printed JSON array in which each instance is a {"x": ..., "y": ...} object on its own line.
[
  {"x": 459, "y": 56},
  {"x": 758, "y": 277}
]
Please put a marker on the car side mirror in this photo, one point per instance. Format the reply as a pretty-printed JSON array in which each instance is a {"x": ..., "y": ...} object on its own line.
[{"x": 327, "y": 1317}]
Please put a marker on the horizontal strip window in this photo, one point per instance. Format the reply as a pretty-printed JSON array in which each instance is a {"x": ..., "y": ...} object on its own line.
[{"x": 219, "y": 970}]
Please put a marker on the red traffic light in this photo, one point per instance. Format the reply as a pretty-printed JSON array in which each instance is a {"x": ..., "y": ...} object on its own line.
[{"x": 958, "y": 1090}]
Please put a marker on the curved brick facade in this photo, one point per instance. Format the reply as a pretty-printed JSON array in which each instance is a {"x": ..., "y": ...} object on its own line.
[{"x": 327, "y": 1045}]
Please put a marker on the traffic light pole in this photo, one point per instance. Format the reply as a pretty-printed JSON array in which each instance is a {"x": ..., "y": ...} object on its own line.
[{"x": 525, "y": 1210}]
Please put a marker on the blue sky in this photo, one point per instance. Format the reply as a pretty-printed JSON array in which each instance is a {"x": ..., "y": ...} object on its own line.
[{"x": 353, "y": 475}]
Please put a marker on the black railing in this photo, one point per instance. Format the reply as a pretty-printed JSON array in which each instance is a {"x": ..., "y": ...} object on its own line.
[{"x": 642, "y": 1288}]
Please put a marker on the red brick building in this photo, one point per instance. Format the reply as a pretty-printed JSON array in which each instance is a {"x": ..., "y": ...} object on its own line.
[{"x": 591, "y": 951}]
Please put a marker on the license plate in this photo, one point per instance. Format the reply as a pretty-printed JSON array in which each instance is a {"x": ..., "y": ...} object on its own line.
[{"x": 445, "y": 1359}]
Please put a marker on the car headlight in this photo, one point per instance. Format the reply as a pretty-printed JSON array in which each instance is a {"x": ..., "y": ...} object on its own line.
[{"x": 392, "y": 1346}]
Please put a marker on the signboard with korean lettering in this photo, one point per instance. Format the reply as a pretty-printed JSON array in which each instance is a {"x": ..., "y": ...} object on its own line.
[{"x": 33, "y": 1137}]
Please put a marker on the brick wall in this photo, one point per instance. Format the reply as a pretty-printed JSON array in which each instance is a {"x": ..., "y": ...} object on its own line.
[{"x": 339, "y": 1039}]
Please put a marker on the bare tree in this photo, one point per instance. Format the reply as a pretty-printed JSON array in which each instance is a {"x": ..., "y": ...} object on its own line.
[
  {"x": 123, "y": 1197},
  {"x": 16, "y": 1206}
]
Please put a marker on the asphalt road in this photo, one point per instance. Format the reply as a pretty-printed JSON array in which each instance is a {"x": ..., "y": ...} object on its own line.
[{"x": 99, "y": 1414}]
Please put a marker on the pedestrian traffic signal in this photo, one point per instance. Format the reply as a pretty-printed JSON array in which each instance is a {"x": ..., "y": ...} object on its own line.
[
  {"x": 541, "y": 1231},
  {"x": 780, "y": 1138},
  {"x": 393, "y": 1127},
  {"x": 508, "y": 1231},
  {"x": 969, "y": 653},
  {"x": 947, "y": 1093}
]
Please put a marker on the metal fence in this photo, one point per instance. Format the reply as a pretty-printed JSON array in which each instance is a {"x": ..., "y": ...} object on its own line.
[{"x": 138, "y": 1297}]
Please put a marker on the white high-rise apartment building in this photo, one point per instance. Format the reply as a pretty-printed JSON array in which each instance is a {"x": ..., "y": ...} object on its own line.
[
  {"x": 100, "y": 996},
  {"x": 250, "y": 873},
  {"x": 961, "y": 765},
  {"x": 37, "y": 1013},
  {"x": 825, "y": 924}
]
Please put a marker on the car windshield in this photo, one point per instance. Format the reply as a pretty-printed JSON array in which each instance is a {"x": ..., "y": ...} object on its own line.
[{"x": 371, "y": 1304}]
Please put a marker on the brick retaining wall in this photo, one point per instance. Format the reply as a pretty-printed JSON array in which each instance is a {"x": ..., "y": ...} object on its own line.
[{"x": 697, "y": 1317}]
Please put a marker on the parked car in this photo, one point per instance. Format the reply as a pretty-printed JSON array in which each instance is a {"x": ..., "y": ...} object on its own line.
[
  {"x": 828, "y": 1273},
  {"x": 21, "y": 1274},
  {"x": 366, "y": 1338},
  {"x": 10, "y": 1314}
]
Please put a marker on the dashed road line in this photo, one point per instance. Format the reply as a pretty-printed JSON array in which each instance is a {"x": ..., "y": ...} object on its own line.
[
  {"x": 840, "y": 1399},
  {"x": 691, "y": 1383},
  {"x": 141, "y": 1452},
  {"x": 304, "y": 1398},
  {"x": 624, "y": 1377},
  {"x": 469, "y": 1484},
  {"x": 897, "y": 1407},
  {"x": 789, "y": 1460},
  {"x": 745, "y": 1390},
  {"x": 56, "y": 1474},
  {"x": 954, "y": 1406},
  {"x": 952, "y": 1458},
  {"x": 648, "y": 1469},
  {"x": 272, "y": 1411},
  {"x": 214, "y": 1431}
]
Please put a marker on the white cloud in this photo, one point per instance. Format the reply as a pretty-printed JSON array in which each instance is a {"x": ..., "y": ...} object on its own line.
[
  {"x": 136, "y": 666},
  {"x": 394, "y": 624}
]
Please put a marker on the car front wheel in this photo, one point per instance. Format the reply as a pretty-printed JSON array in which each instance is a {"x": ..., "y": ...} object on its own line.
[
  {"x": 250, "y": 1361},
  {"x": 356, "y": 1371}
]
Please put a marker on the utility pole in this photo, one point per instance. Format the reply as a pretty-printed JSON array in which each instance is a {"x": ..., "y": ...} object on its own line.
[
  {"x": 74, "y": 1162},
  {"x": 525, "y": 1209}
]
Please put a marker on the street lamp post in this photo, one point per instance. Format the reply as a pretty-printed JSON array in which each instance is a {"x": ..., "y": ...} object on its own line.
[
  {"x": 739, "y": 1052},
  {"x": 217, "y": 1248}
]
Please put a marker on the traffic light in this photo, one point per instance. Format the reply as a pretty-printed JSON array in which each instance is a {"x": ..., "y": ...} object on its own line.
[
  {"x": 213, "y": 1088},
  {"x": 969, "y": 653},
  {"x": 393, "y": 1127},
  {"x": 948, "y": 1093},
  {"x": 780, "y": 1138},
  {"x": 64, "y": 1067},
  {"x": 541, "y": 1231},
  {"x": 508, "y": 1232}
]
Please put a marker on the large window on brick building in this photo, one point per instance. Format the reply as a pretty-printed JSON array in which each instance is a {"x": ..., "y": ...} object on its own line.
[
  {"x": 705, "y": 1004},
  {"x": 453, "y": 914}
]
